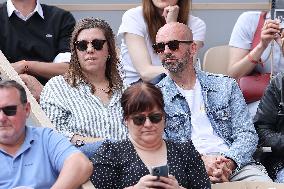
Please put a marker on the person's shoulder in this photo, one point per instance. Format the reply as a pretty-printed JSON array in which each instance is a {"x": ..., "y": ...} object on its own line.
[
  {"x": 195, "y": 20},
  {"x": 56, "y": 12},
  {"x": 39, "y": 132},
  {"x": 56, "y": 81},
  {"x": 52, "y": 9},
  {"x": 215, "y": 80},
  {"x": 180, "y": 146},
  {"x": 113, "y": 148},
  {"x": 249, "y": 15},
  {"x": 134, "y": 10}
]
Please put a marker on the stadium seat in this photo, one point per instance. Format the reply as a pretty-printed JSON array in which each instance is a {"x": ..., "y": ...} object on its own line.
[{"x": 216, "y": 60}]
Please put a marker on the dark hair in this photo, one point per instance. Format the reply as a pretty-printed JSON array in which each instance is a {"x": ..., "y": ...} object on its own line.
[
  {"x": 75, "y": 74},
  {"x": 140, "y": 97},
  {"x": 155, "y": 21},
  {"x": 7, "y": 84}
]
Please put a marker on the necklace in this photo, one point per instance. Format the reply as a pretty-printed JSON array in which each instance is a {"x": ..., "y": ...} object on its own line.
[{"x": 105, "y": 90}]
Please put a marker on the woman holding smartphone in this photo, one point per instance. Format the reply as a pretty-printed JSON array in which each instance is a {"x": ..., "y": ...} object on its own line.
[{"x": 129, "y": 162}]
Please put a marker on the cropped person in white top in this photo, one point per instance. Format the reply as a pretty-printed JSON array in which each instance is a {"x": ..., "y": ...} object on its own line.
[
  {"x": 138, "y": 30},
  {"x": 244, "y": 60}
]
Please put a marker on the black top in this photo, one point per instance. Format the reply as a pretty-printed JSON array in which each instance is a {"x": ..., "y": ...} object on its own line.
[
  {"x": 117, "y": 165},
  {"x": 36, "y": 39},
  {"x": 269, "y": 124}
]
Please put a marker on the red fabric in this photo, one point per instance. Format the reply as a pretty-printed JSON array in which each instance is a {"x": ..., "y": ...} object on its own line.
[{"x": 254, "y": 85}]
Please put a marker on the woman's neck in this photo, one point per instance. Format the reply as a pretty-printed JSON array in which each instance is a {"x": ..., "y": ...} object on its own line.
[{"x": 96, "y": 79}]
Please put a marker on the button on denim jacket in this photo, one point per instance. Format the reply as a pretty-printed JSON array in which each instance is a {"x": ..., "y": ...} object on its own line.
[{"x": 225, "y": 108}]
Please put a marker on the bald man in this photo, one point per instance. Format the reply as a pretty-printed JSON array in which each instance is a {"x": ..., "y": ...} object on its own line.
[{"x": 206, "y": 108}]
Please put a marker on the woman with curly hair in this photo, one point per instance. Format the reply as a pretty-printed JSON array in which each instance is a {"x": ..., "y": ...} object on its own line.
[{"x": 85, "y": 102}]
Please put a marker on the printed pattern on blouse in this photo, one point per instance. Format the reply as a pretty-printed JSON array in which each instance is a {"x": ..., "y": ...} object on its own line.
[
  {"x": 226, "y": 110},
  {"x": 77, "y": 111},
  {"x": 117, "y": 165}
]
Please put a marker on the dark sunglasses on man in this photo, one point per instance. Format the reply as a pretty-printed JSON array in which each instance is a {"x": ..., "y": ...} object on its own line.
[
  {"x": 173, "y": 45},
  {"x": 97, "y": 44},
  {"x": 140, "y": 119},
  {"x": 10, "y": 110}
]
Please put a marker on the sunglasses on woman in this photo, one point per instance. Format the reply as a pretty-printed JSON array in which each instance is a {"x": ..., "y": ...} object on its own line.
[
  {"x": 173, "y": 45},
  {"x": 141, "y": 119},
  {"x": 96, "y": 43},
  {"x": 9, "y": 110}
]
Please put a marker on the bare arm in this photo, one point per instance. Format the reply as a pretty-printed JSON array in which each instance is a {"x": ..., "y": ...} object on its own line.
[
  {"x": 76, "y": 170},
  {"x": 44, "y": 69},
  {"x": 239, "y": 63},
  {"x": 142, "y": 61}
]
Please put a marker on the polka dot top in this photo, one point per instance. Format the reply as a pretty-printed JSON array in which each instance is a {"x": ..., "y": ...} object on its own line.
[{"x": 117, "y": 165}]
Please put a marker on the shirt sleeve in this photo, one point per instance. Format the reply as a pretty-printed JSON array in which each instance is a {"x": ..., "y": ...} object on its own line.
[
  {"x": 62, "y": 57},
  {"x": 198, "y": 28},
  {"x": 59, "y": 148},
  {"x": 55, "y": 109},
  {"x": 244, "y": 29},
  {"x": 133, "y": 22},
  {"x": 106, "y": 169}
]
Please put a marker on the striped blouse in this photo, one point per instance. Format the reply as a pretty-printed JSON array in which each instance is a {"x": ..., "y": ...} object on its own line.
[{"x": 77, "y": 111}]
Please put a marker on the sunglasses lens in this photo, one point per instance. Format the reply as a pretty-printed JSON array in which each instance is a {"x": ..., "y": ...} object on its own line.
[
  {"x": 98, "y": 44},
  {"x": 159, "y": 47},
  {"x": 10, "y": 110},
  {"x": 155, "y": 118},
  {"x": 173, "y": 45},
  {"x": 81, "y": 45},
  {"x": 139, "y": 120}
]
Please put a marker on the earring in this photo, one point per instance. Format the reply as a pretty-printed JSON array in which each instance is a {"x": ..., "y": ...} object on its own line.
[{"x": 108, "y": 57}]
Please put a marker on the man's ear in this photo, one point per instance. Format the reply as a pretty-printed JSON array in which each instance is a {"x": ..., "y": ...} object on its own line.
[
  {"x": 28, "y": 109},
  {"x": 193, "y": 49}
]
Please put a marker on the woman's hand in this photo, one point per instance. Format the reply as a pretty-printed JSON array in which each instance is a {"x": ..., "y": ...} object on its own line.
[
  {"x": 270, "y": 31},
  {"x": 149, "y": 181},
  {"x": 168, "y": 182},
  {"x": 171, "y": 13}
]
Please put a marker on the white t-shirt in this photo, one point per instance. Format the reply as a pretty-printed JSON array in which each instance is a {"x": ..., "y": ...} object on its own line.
[
  {"x": 205, "y": 140},
  {"x": 133, "y": 22},
  {"x": 242, "y": 37}
]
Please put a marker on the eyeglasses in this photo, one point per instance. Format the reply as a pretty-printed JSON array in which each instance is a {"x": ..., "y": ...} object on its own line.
[
  {"x": 141, "y": 119},
  {"x": 173, "y": 45},
  {"x": 9, "y": 110},
  {"x": 96, "y": 43}
]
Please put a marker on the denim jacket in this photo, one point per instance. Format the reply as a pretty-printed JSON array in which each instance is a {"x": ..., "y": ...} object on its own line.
[{"x": 225, "y": 108}]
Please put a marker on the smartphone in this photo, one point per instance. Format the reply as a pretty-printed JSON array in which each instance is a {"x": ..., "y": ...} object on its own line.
[
  {"x": 160, "y": 171},
  {"x": 277, "y": 11}
]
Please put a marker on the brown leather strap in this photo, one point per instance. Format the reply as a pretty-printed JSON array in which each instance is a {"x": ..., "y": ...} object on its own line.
[{"x": 257, "y": 34}]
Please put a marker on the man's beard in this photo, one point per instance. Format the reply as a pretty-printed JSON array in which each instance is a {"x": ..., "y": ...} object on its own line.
[{"x": 176, "y": 66}]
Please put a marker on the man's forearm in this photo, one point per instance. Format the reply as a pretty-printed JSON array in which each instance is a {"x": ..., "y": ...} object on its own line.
[
  {"x": 76, "y": 170},
  {"x": 46, "y": 70}
]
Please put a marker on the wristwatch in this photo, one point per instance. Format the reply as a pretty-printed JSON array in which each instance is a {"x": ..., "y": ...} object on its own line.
[{"x": 79, "y": 143}]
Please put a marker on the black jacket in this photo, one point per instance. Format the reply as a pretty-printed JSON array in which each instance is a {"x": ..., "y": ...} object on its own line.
[{"x": 269, "y": 124}]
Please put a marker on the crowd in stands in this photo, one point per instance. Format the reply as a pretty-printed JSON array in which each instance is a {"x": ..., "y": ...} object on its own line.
[{"x": 122, "y": 122}]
